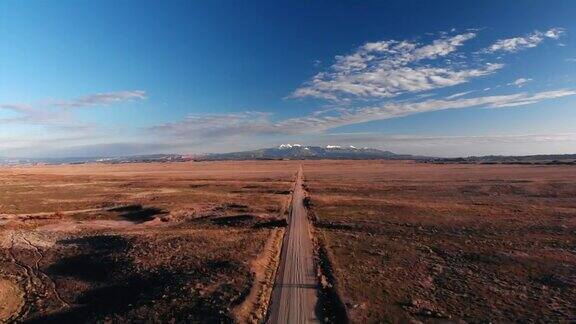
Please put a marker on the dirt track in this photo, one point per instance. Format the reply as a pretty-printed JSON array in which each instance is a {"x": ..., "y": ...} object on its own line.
[{"x": 294, "y": 299}]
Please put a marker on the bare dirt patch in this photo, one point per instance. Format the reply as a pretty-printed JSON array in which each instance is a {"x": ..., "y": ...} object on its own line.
[{"x": 11, "y": 300}]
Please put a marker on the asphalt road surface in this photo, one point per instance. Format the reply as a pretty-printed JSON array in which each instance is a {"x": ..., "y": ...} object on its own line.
[{"x": 294, "y": 298}]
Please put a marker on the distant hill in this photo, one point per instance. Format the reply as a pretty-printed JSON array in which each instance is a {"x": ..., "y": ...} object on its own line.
[
  {"x": 568, "y": 159},
  {"x": 82, "y": 160},
  {"x": 301, "y": 152},
  {"x": 284, "y": 151}
]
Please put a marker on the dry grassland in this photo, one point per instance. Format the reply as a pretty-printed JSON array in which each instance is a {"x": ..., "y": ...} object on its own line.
[
  {"x": 431, "y": 243},
  {"x": 189, "y": 242},
  {"x": 136, "y": 242}
]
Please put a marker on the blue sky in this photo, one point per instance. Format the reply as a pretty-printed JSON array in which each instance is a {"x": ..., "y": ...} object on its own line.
[{"x": 448, "y": 78}]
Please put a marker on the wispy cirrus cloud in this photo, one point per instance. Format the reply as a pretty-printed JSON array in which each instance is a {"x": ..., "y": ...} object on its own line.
[
  {"x": 101, "y": 99},
  {"x": 387, "y": 69},
  {"x": 255, "y": 123},
  {"x": 453, "y": 146},
  {"x": 425, "y": 140},
  {"x": 30, "y": 114},
  {"x": 221, "y": 125},
  {"x": 459, "y": 94},
  {"x": 56, "y": 111},
  {"x": 21, "y": 108},
  {"x": 392, "y": 110},
  {"x": 531, "y": 40}
]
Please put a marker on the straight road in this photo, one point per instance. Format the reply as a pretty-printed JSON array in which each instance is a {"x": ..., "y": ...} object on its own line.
[{"x": 294, "y": 298}]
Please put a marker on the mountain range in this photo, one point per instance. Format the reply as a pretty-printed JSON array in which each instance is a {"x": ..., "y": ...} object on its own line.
[
  {"x": 301, "y": 152},
  {"x": 284, "y": 151}
]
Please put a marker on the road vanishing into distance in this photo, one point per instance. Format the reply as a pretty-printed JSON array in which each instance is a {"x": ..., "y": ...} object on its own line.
[{"x": 294, "y": 298}]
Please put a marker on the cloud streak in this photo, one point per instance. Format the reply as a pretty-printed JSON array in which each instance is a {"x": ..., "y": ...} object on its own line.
[
  {"x": 56, "y": 111},
  {"x": 101, "y": 99},
  {"x": 224, "y": 125},
  {"x": 255, "y": 123},
  {"x": 459, "y": 94},
  {"x": 528, "y": 41},
  {"x": 453, "y": 146}
]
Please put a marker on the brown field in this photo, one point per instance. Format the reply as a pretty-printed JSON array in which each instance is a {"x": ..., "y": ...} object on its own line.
[
  {"x": 188, "y": 242},
  {"x": 137, "y": 242},
  {"x": 421, "y": 242}
]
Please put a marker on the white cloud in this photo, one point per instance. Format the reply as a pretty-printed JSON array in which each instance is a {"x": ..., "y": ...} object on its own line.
[
  {"x": 519, "y": 82},
  {"x": 458, "y": 94},
  {"x": 519, "y": 43},
  {"x": 554, "y": 33},
  {"x": 389, "y": 68}
]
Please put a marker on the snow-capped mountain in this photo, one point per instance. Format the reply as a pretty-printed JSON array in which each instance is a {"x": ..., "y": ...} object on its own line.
[{"x": 299, "y": 151}]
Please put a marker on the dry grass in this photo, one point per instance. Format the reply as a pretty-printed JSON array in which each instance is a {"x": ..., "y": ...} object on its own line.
[
  {"x": 460, "y": 242},
  {"x": 178, "y": 241}
]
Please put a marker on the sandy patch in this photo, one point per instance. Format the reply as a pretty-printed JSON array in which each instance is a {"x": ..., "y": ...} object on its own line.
[
  {"x": 73, "y": 226},
  {"x": 148, "y": 193}
]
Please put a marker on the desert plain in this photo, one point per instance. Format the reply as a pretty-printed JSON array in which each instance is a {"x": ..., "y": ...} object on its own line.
[{"x": 394, "y": 241}]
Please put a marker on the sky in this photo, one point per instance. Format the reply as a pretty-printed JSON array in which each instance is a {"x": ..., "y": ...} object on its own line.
[{"x": 437, "y": 78}]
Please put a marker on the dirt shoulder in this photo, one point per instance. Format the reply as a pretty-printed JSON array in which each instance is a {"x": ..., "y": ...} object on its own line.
[{"x": 253, "y": 309}]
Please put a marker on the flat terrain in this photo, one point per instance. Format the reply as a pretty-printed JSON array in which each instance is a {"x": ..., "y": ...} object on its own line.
[
  {"x": 200, "y": 241},
  {"x": 432, "y": 243},
  {"x": 138, "y": 242}
]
